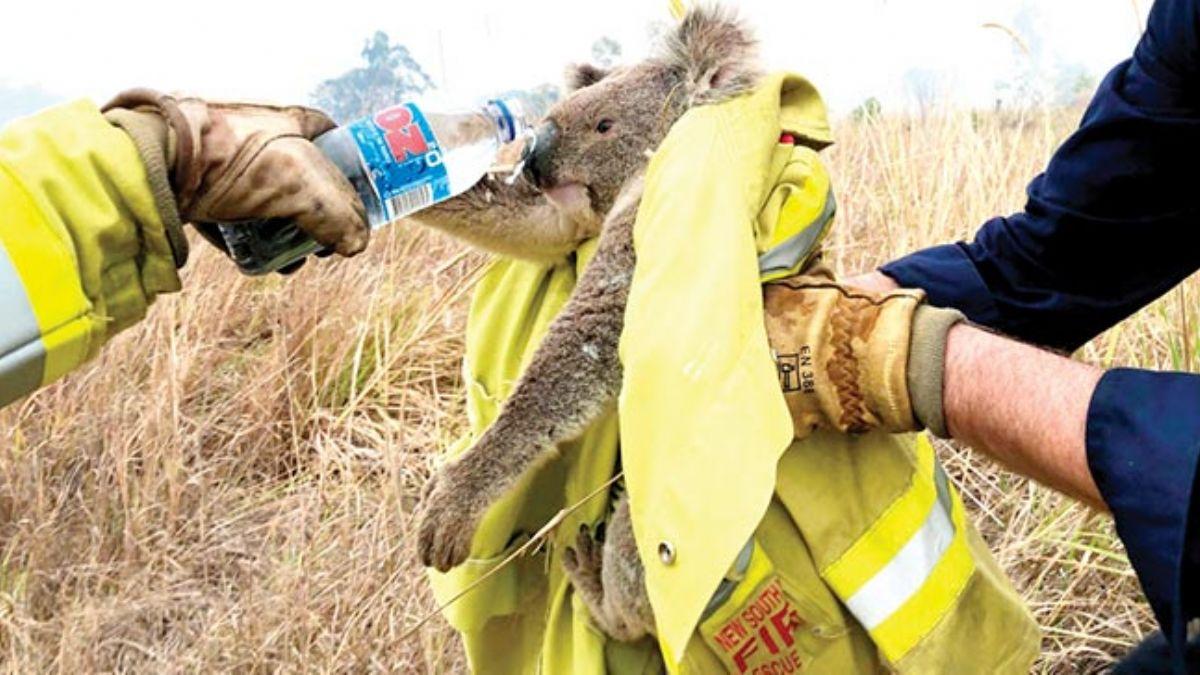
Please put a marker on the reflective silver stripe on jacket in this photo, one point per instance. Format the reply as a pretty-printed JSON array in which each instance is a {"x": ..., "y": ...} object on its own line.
[
  {"x": 793, "y": 250},
  {"x": 725, "y": 588},
  {"x": 905, "y": 573},
  {"x": 22, "y": 353}
]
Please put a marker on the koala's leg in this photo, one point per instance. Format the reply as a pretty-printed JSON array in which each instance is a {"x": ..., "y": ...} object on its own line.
[
  {"x": 512, "y": 220},
  {"x": 573, "y": 375},
  {"x": 610, "y": 580}
]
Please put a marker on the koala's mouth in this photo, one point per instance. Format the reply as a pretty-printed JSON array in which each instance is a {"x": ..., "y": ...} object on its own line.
[{"x": 569, "y": 197}]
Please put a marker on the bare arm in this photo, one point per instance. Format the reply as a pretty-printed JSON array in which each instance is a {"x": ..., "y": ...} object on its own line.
[{"x": 1022, "y": 406}]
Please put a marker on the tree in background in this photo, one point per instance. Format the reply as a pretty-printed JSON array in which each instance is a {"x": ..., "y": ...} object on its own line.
[
  {"x": 606, "y": 52},
  {"x": 1074, "y": 85},
  {"x": 867, "y": 111},
  {"x": 391, "y": 74}
]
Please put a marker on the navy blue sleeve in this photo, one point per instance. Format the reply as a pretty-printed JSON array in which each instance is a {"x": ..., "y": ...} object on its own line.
[
  {"x": 1112, "y": 223},
  {"x": 1143, "y": 439}
]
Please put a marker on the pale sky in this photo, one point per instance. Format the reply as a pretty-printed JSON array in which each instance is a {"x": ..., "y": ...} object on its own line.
[{"x": 279, "y": 51}]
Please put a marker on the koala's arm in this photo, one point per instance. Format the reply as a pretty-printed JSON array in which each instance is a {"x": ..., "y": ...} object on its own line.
[
  {"x": 573, "y": 375},
  {"x": 512, "y": 220}
]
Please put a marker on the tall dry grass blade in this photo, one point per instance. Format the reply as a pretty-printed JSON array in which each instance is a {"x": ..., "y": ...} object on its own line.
[
  {"x": 1137, "y": 16},
  {"x": 536, "y": 540},
  {"x": 1016, "y": 38}
]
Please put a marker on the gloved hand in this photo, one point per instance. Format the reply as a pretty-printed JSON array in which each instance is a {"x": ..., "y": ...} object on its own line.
[
  {"x": 853, "y": 360},
  {"x": 231, "y": 162}
]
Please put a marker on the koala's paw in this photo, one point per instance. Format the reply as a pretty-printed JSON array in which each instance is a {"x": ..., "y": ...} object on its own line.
[
  {"x": 584, "y": 564},
  {"x": 447, "y": 522},
  {"x": 612, "y": 610},
  {"x": 585, "y": 561}
]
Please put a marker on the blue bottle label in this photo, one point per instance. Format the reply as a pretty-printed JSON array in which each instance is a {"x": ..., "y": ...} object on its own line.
[{"x": 402, "y": 156}]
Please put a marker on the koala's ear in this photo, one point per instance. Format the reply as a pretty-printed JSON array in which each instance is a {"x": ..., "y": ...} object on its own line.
[
  {"x": 714, "y": 53},
  {"x": 580, "y": 75}
]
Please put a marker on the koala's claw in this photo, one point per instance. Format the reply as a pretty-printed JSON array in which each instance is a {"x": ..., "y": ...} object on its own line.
[{"x": 446, "y": 526}]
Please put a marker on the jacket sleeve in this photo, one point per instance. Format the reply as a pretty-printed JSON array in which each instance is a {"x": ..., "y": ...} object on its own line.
[
  {"x": 83, "y": 249},
  {"x": 1112, "y": 222},
  {"x": 1143, "y": 441}
]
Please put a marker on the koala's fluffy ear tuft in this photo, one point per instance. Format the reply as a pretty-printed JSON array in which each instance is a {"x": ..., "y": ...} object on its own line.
[
  {"x": 715, "y": 54},
  {"x": 580, "y": 75}
]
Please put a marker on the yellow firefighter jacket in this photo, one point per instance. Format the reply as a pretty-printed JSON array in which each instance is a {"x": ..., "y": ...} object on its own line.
[
  {"x": 83, "y": 250},
  {"x": 836, "y": 554}
]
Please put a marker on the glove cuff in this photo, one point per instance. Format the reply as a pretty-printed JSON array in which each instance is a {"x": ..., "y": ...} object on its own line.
[
  {"x": 882, "y": 350},
  {"x": 153, "y": 139},
  {"x": 927, "y": 365}
]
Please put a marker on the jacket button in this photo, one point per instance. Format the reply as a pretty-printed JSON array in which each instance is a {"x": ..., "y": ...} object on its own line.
[{"x": 666, "y": 553}]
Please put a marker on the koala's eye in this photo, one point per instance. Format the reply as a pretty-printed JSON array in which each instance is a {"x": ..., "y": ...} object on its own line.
[{"x": 604, "y": 126}]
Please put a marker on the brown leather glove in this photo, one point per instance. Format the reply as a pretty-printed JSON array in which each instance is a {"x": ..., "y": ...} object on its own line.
[
  {"x": 231, "y": 162},
  {"x": 853, "y": 360}
]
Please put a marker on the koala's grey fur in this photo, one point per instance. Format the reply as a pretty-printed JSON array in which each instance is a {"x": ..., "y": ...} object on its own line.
[{"x": 576, "y": 372}]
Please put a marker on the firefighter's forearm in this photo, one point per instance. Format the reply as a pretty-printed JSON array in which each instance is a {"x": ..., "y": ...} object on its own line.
[{"x": 1023, "y": 406}]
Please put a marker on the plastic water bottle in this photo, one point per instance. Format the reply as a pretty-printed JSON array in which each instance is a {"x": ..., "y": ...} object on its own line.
[{"x": 399, "y": 160}]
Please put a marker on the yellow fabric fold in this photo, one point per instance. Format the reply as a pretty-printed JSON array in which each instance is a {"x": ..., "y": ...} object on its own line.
[{"x": 701, "y": 410}]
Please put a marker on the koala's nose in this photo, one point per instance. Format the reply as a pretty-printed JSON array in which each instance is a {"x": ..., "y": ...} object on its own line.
[{"x": 537, "y": 166}]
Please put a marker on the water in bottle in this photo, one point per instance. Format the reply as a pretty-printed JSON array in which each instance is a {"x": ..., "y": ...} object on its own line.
[{"x": 399, "y": 160}]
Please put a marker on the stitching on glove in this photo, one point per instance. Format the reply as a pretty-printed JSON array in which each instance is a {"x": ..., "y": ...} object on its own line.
[{"x": 843, "y": 372}]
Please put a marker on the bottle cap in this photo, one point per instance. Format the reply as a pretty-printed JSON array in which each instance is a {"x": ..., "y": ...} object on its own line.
[{"x": 509, "y": 116}]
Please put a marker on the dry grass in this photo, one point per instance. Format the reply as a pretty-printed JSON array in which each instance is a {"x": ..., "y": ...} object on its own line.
[{"x": 229, "y": 486}]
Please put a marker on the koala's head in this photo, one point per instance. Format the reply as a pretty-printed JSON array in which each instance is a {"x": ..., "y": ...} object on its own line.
[{"x": 610, "y": 122}]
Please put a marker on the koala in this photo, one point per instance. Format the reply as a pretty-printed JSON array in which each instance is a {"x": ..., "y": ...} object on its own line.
[{"x": 583, "y": 179}]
